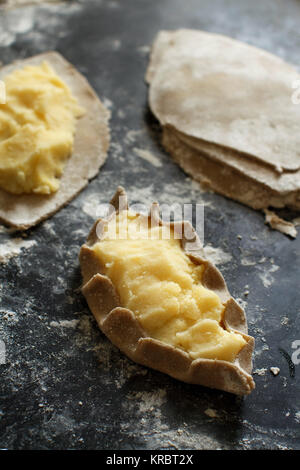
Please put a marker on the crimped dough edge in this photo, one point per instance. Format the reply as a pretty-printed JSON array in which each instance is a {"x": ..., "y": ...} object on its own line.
[{"x": 123, "y": 329}]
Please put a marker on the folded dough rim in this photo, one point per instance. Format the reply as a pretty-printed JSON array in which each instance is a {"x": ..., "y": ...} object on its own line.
[
  {"x": 122, "y": 328},
  {"x": 91, "y": 143}
]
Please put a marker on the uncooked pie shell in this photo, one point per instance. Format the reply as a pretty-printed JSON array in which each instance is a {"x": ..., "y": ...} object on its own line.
[
  {"x": 89, "y": 153},
  {"x": 123, "y": 329}
]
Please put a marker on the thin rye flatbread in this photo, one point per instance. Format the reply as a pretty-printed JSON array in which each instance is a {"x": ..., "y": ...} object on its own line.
[{"x": 91, "y": 143}]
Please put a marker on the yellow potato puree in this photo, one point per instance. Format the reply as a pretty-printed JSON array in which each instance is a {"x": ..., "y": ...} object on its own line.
[
  {"x": 37, "y": 127},
  {"x": 158, "y": 282}
]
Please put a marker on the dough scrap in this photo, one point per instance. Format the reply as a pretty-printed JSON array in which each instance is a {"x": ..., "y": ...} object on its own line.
[
  {"x": 90, "y": 149},
  {"x": 277, "y": 223}
]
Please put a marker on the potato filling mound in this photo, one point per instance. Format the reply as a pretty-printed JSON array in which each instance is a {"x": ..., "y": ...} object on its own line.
[
  {"x": 159, "y": 283},
  {"x": 37, "y": 128}
]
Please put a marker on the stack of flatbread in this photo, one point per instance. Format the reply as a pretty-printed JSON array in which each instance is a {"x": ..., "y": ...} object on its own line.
[{"x": 228, "y": 116}]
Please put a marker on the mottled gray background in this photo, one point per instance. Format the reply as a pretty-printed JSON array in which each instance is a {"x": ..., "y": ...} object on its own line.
[{"x": 63, "y": 385}]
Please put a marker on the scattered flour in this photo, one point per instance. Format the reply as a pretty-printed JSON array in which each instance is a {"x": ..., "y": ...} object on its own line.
[
  {"x": 247, "y": 261},
  {"x": 265, "y": 271},
  {"x": 148, "y": 156},
  {"x": 260, "y": 371},
  {"x": 65, "y": 323},
  {"x": 107, "y": 103},
  {"x": 13, "y": 248},
  {"x": 93, "y": 207},
  {"x": 266, "y": 275},
  {"x": 144, "y": 49},
  {"x": 20, "y": 24},
  {"x": 14, "y": 24},
  {"x": 148, "y": 401},
  {"x": 151, "y": 422},
  {"x": 216, "y": 255},
  {"x": 133, "y": 135}
]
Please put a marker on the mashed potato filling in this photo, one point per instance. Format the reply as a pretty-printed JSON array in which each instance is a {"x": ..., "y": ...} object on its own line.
[
  {"x": 37, "y": 128},
  {"x": 159, "y": 283}
]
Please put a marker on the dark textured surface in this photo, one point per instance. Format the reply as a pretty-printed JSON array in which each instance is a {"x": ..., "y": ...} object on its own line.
[{"x": 63, "y": 384}]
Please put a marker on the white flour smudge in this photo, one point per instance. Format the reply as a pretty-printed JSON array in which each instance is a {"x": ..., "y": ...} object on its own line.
[
  {"x": 20, "y": 24},
  {"x": 266, "y": 275},
  {"x": 144, "y": 49},
  {"x": 264, "y": 272},
  {"x": 26, "y": 18},
  {"x": 133, "y": 135},
  {"x": 247, "y": 262},
  {"x": 93, "y": 207},
  {"x": 148, "y": 156},
  {"x": 107, "y": 103},
  {"x": 14, "y": 247},
  {"x": 65, "y": 323},
  {"x": 149, "y": 401},
  {"x": 216, "y": 255}
]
